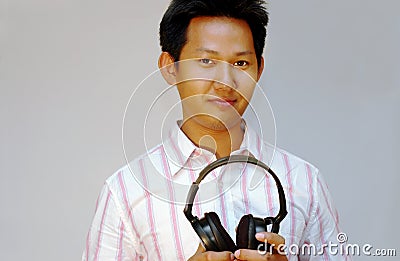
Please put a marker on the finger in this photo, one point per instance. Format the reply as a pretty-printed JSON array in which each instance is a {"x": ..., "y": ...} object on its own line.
[
  {"x": 254, "y": 255},
  {"x": 200, "y": 249},
  {"x": 218, "y": 256},
  {"x": 202, "y": 254},
  {"x": 271, "y": 238}
]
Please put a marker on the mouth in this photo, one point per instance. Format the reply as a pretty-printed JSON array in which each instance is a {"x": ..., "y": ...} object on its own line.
[{"x": 223, "y": 102}]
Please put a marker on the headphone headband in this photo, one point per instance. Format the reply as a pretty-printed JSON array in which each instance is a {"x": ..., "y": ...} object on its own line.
[{"x": 236, "y": 159}]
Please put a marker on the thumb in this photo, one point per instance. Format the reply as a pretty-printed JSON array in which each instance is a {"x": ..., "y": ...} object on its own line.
[{"x": 200, "y": 249}]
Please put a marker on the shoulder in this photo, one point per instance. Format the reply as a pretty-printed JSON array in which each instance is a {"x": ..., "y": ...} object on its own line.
[
  {"x": 294, "y": 171},
  {"x": 279, "y": 156},
  {"x": 128, "y": 182},
  {"x": 295, "y": 161}
]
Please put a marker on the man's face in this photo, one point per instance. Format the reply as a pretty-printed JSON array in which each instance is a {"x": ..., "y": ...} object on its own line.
[{"x": 217, "y": 72}]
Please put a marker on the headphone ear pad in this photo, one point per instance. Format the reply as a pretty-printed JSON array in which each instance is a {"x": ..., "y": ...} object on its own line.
[
  {"x": 222, "y": 238},
  {"x": 246, "y": 233},
  {"x": 203, "y": 230}
]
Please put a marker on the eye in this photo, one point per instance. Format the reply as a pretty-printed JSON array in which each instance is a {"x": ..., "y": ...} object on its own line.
[
  {"x": 241, "y": 63},
  {"x": 206, "y": 61}
]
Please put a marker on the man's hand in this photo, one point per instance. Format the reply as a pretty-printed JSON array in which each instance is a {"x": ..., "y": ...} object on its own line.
[
  {"x": 202, "y": 254},
  {"x": 254, "y": 255}
]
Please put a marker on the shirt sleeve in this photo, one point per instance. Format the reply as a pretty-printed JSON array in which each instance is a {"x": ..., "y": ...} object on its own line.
[
  {"x": 323, "y": 228},
  {"x": 107, "y": 238}
]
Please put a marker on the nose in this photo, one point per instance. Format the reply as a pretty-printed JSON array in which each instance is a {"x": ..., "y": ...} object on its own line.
[{"x": 225, "y": 76}]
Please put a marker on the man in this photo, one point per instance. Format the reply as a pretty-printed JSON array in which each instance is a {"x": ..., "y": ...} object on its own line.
[{"x": 212, "y": 52}]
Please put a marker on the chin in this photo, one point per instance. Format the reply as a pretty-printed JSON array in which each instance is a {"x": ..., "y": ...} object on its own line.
[{"x": 220, "y": 125}]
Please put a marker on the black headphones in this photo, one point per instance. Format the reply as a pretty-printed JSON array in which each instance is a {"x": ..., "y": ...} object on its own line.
[{"x": 210, "y": 230}]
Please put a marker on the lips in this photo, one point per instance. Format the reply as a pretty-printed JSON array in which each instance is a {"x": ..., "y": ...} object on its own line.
[{"x": 223, "y": 102}]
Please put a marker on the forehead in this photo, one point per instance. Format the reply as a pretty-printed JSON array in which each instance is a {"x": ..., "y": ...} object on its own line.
[{"x": 219, "y": 34}]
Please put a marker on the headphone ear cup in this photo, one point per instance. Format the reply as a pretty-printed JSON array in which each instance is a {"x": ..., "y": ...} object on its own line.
[
  {"x": 245, "y": 233},
  {"x": 203, "y": 230},
  {"x": 222, "y": 239}
]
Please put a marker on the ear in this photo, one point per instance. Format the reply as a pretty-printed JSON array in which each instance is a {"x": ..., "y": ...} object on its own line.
[
  {"x": 167, "y": 68},
  {"x": 260, "y": 68}
]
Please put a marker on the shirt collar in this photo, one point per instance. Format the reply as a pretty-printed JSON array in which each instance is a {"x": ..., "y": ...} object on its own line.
[
  {"x": 179, "y": 148},
  {"x": 251, "y": 143}
]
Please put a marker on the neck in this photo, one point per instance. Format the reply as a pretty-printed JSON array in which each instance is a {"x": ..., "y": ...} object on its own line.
[{"x": 220, "y": 142}]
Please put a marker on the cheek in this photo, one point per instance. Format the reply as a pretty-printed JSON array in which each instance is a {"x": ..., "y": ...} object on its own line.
[
  {"x": 242, "y": 107},
  {"x": 246, "y": 92},
  {"x": 192, "y": 95},
  {"x": 193, "y": 88}
]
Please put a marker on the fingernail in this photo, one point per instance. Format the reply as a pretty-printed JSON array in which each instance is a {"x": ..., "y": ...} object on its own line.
[
  {"x": 232, "y": 257},
  {"x": 237, "y": 253},
  {"x": 260, "y": 236}
]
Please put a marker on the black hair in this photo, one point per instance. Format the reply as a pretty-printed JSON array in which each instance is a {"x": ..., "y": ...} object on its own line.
[{"x": 176, "y": 19}]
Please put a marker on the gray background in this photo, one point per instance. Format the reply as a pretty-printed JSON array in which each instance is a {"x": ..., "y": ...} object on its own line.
[{"x": 67, "y": 69}]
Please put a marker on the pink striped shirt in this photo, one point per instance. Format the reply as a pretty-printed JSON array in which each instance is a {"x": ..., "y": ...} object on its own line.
[{"x": 139, "y": 214}]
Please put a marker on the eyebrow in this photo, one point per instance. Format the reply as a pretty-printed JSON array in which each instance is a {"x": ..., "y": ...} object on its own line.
[{"x": 206, "y": 50}]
